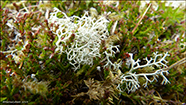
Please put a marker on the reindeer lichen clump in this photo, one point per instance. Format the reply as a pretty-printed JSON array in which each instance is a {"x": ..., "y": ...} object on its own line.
[
  {"x": 81, "y": 38},
  {"x": 131, "y": 78}
]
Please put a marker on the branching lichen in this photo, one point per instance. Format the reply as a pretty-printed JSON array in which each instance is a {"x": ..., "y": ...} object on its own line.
[{"x": 81, "y": 37}]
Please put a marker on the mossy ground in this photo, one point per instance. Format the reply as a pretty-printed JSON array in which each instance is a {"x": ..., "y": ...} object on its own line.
[{"x": 161, "y": 29}]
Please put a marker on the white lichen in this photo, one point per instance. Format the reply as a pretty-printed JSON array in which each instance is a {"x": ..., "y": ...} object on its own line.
[
  {"x": 131, "y": 78},
  {"x": 87, "y": 33}
]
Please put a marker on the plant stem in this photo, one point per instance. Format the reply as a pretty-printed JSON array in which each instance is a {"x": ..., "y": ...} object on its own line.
[{"x": 141, "y": 19}]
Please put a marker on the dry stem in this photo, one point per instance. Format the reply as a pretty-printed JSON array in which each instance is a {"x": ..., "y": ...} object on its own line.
[{"x": 141, "y": 19}]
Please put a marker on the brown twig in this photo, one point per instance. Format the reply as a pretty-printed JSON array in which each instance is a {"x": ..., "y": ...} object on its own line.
[
  {"x": 141, "y": 19},
  {"x": 183, "y": 60}
]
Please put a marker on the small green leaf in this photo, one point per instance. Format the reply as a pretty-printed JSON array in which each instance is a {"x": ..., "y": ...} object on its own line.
[
  {"x": 84, "y": 68},
  {"x": 106, "y": 73},
  {"x": 4, "y": 98},
  {"x": 59, "y": 15}
]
